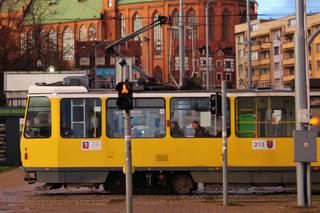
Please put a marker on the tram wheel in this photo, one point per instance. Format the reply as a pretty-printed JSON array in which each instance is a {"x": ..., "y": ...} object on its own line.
[
  {"x": 182, "y": 184},
  {"x": 115, "y": 183}
]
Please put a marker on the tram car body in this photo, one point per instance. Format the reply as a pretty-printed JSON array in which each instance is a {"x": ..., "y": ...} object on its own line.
[{"x": 75, "y": 136}]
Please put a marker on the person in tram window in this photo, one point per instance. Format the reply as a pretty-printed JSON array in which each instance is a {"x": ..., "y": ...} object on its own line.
[
  {"x": 200, "y": 131},
  {"x": 176, "y": 131}
]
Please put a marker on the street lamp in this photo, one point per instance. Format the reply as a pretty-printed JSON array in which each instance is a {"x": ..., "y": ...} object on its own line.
[
  {"x": 51, "y": 69},
  {"x": 209, "y": 82}
]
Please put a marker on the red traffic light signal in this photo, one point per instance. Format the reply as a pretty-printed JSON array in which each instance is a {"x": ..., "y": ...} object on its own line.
[{"x": 125, "y": 99}]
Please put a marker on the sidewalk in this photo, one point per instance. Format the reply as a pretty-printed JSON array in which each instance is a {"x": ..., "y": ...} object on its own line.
[{"x": 18, "y": 196}]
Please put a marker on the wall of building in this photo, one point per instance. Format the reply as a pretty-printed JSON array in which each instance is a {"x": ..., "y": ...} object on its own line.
[{"x": 275, "y": 37}]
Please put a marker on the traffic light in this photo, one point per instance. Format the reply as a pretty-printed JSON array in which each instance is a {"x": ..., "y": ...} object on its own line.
[
  {"x": 215, "y": 102},
  {"x": 314, "y": 121},
  {"x": 125, "y": 99}
]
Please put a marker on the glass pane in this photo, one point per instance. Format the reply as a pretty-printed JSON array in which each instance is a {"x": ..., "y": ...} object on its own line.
[
  {"x": 80, "y": 118},
  {"x": 147, "y": 121},
  {"x": 191, "y": 117},
  {"x": 38, "y": 122},
  {"x": 315, "y": 112}
]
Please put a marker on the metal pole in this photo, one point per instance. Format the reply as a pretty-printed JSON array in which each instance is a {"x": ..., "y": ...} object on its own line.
[
  {"x": 128, "y": 151},
  {"x": 95, "y": 67},
  {"x": 224, "y": 143},
  {"x": 148, "y": 60},
  {"x": 301, "y": 101},
  {"x": 210, "y": 82},
  {"x": 127, "y": 138},
  {"x": 249, "y": 46},
  {"x": 181, "y": 44}
]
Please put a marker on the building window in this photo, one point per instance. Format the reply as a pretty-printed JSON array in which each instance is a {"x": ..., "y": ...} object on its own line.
[
  {"x": 228, "y": 64},
  {"x": 219, "y": 63},
  {"x": 211, "y": 24},
  {"x": 219, "y": 76},
  {"x": 137, "y": 24},
  {"x": 318, "y": 65},
  {"x": 254, "y": 27},
  {"x": 122, "y": 25},
  {"x": 276, "y": 35},
  {"x": 109, "y": 3},
  {"x": 276, "y": 51},
  {"x": 254, "y": 55},
  {"x": 226, "y": 25},
  {"x": 83, "y": 33},
  {"x": 68, "y": 44},
  {"x": 43, "y": 41},
  {"x": 175, "y": 28},
  {"x": 228, "y": 76},
  {"x": 157, "y": 36},
  {"x": 30, "y": 43},
  {"x": 52, "y": 40},
  {"x": 92, "y": 32},
  {"x": 192, "y": 31},
  {"x": 318, "y": 48},
  {"x": 23, "y": 43},
  {"x": 291, "y": 22},
  {"x": 277, "y": 66}
]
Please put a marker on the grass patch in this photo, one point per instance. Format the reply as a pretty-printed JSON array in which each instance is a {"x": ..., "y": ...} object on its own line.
[{"x": 5, "y": 168}]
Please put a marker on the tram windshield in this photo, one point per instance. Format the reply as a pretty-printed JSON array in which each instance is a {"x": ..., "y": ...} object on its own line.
[{"x": 38, "y": 122}]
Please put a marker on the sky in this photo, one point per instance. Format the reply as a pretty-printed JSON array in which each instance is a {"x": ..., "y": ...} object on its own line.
[{"x": 281, "y": 8}]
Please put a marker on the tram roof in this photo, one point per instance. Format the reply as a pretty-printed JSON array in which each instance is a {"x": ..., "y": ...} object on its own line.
[{"x": 56, "y": 90}]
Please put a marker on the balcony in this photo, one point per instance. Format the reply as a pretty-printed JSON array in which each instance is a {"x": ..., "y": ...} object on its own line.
[
  {"x": 288, "y": 62},
  {"x": 264, "y": 61},
  {"x": 288, "y": 45},
  {"x": 288, "y": 78},
  {"x": 260, "y": 46}
]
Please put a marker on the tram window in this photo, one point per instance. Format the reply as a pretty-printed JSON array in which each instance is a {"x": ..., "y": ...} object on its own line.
[
  {"x": 186, "y": 110},
  {"x": 80, "y": 118},
  {"x": 38, "y": 122},
  {"x": 265, "y": 116},
  {"x": 315, "y": 112},
  {"x": 147, "y": 118}
]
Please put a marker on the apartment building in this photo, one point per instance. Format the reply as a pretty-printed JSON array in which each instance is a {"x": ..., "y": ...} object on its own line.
[{"x": 273, "y": 52}]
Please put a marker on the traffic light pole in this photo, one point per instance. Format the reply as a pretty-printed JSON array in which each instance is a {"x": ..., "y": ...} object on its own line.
[
  {"x": 224, "y": 144},
  {"x": 128, "y": 166}
]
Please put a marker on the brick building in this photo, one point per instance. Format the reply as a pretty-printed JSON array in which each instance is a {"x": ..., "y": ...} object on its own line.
[{"x": 64, "y": 22}]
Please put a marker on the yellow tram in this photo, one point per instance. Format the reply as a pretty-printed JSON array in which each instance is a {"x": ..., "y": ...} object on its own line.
[{"x": 75, "y": 136}]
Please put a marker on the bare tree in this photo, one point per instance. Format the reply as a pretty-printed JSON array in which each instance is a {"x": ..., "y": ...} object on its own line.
[{"x": 24, "y": 42}]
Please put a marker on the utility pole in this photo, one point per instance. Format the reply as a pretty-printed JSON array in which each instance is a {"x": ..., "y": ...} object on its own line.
[
  {"x": 210, "y": 82},
  {"x": 181, "y": 44},
  {"x": 301, "y": 100},
  {"x": 127, "y": 140},
  {"x": 224, "y": 143},
  {"x": 249, "y": 46},
  {"x": 128, "y": 151}
]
